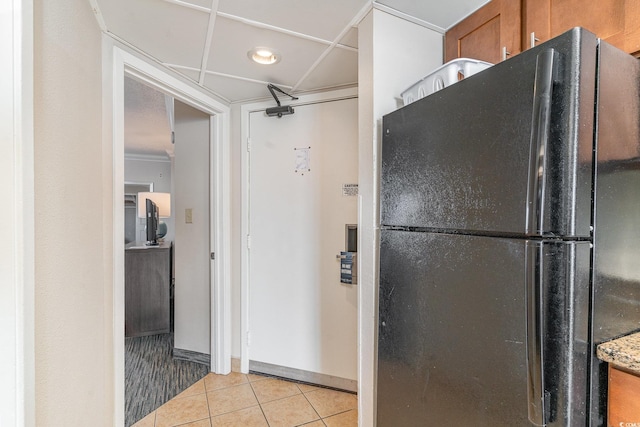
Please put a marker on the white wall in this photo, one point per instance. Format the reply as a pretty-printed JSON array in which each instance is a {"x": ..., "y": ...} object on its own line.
[
  {"x": 192, "y": 241},
  {"x": 393, "y": 54},
  {"x": 159, "y": 173},
  {"x": 73, "y": 353}
]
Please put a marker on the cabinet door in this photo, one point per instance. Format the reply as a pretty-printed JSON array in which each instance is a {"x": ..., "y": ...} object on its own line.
[
  {"x": 491, "y": 34},
  {"x": 615, "y": 21},
  {"x": 624, "y": 405},
  {"x": 147, "y": 291}
]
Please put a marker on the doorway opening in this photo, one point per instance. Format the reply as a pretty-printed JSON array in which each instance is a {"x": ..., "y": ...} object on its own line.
[
  {"x": 125, "y": 63},
  {"x": 167, "y": 263}
]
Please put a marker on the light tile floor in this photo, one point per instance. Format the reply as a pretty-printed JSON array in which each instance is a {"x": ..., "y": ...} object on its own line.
[{"x": 239, "y": 400}]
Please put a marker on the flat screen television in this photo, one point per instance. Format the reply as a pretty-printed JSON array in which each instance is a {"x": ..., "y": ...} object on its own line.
[{"x": 152, "y": 223}]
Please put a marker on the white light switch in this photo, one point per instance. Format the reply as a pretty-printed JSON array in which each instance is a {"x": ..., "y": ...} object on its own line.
[{"x": 188, "y": 216}]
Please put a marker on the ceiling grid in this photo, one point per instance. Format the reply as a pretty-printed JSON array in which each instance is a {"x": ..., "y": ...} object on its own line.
[
  {"x": 190, "y": 5},
  {"x": 354, "y": 22},
  {"x": 207, "y": 41},
  {"x": 213, "y": 13}
]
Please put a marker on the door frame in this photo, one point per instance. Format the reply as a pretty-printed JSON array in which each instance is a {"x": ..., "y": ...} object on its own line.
[
  {"x": 118, "y": 61},
  {"x": 245, "y": 279},
  {"x": 17, "y": 254}
]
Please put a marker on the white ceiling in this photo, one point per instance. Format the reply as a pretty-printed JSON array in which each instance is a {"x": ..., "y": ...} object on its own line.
[
  {"x": 208, "y": 40},
  {"x": 147, "y": 131}
]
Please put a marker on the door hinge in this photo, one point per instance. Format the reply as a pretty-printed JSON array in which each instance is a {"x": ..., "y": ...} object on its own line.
[
  {"x": 248, "y": 242},
  {"x": 249, "y": 144},
  {"x": 213, "y": 255}
]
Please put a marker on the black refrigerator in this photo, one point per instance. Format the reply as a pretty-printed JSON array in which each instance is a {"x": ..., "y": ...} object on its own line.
[{"x": 510, "y": 240}]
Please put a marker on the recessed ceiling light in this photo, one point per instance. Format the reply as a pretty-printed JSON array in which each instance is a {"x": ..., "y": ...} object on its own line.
[{"x": 263, "y": 55}]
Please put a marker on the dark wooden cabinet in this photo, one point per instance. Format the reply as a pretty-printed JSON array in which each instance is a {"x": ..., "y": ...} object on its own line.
[
  {"x": 615, "y": 21},
  {"x": 624, "y": 398},
  {"x": 147, "y": 289},
  {"x": 492, "y": 33},
  {"x": 514, "y": 25}
]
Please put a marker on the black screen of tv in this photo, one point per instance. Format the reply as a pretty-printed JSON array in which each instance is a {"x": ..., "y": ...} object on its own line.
[{"x": 152, "y": 223}]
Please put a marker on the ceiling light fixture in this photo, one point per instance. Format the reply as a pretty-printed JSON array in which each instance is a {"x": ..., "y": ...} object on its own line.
[{"x": 263, "y": 55}]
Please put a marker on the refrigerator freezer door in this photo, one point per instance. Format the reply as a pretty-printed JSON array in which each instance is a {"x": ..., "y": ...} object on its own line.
[
  {"x": 453, "y": 343},
  {"x": 476, "y": 156},
  {"x": 557, "y": 298}
]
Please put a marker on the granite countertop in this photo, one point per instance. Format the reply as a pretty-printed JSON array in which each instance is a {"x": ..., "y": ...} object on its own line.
[{"x": 622, "y": 352}]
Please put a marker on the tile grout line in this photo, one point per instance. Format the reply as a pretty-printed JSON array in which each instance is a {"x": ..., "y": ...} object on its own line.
[
  {"x": 249, "y": 383},
  {"x": 280, "y": 398},
  {"x": 260, "y": 404},
  {"x": 206, "y": 396},
  {"x": 336, "y": 414},
  {"x": 311, "y": 422},
  {"x": 258, "y": 400},
  {"x": 311, "y": 404}
]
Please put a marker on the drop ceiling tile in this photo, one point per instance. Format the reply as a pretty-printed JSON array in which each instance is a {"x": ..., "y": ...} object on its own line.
[
  {"x": 195, "y": 76},
  {"x": 139, "y": 96},
  {"x": 166, "y": 31},
  {"x": 324, "y": 19},
  {"x": 339, "y": 68},
  {"x": 146, "y": 123},
  {"x": 174, "y": 33},
  {"x": 351, "y": 38},
  {"x": 190, "y": 74},
  {"x": 202, "y": 3},
  {"x": 232, "y": 40},
  {"x": 236, "y": 90}
]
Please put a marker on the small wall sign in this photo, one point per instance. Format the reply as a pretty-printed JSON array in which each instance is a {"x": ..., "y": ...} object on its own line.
[
  {"x": 303, "y": 160},
  {"x": 349, "y": 190}
]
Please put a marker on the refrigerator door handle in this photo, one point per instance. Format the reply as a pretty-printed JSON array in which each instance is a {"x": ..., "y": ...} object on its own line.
[
  {"x": 538, "y": 399},
  {"x": 546, "y": 65}
]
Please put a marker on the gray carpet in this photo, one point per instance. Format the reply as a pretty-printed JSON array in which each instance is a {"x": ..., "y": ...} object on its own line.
[{"x": 152, "y": 377}]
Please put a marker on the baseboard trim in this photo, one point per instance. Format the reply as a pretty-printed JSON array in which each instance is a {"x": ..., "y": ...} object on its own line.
[
  {"x": 304, "y": 376},
  {"x": 192, "y": 356}
]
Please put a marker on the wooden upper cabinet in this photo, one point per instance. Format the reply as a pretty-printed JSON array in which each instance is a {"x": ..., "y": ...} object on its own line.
[
  {"x": 487, "y": 34},
  {"x": 615, "y": 21},
  {"x": 514, "y": 24}
]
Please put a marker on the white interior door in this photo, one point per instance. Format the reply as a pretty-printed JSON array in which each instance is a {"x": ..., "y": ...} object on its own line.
[{"x": 301, "y": 317}]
